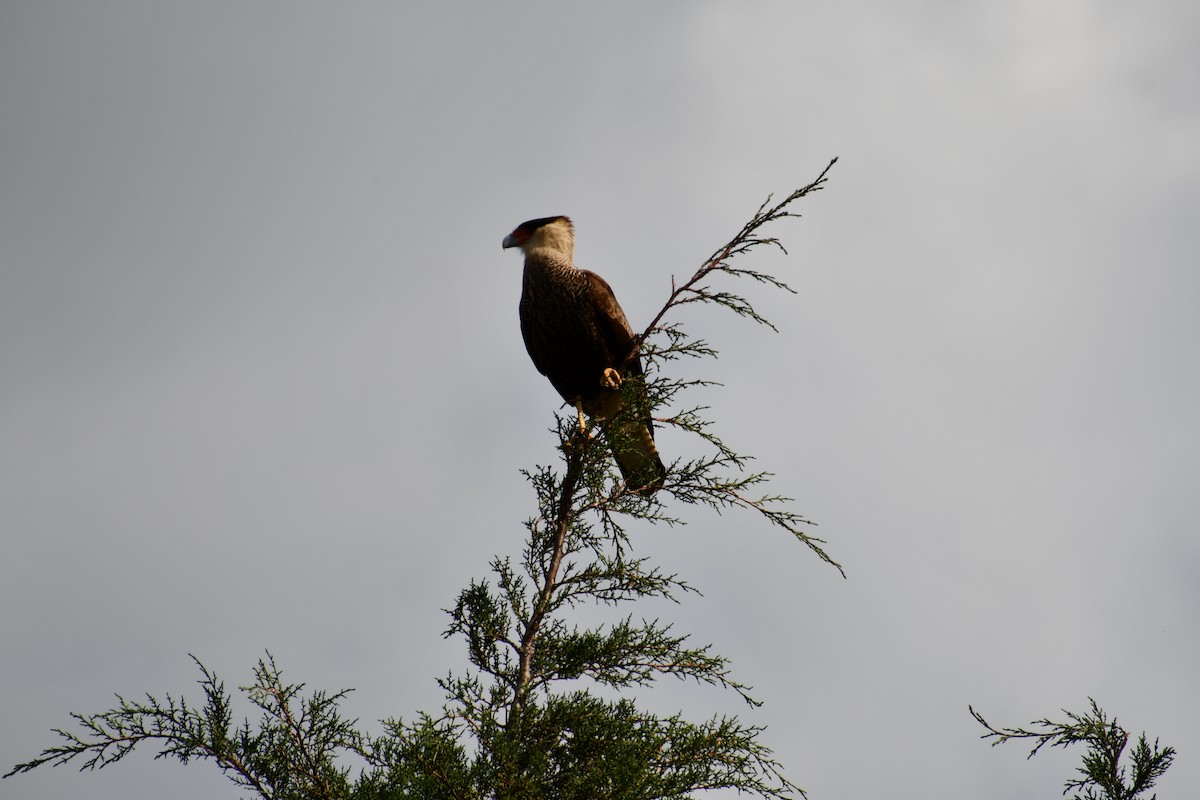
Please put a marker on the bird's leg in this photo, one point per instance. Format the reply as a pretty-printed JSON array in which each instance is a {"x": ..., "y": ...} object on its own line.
[
  {"x": 583, "y": 431},
  {"x": 610, "y": 379}
]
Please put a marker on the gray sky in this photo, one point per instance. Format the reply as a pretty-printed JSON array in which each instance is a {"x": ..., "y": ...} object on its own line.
[{"x": 263, "y": 384}]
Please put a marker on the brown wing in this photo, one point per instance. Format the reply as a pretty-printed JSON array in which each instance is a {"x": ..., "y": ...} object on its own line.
[
  {"x": 612, "y": 327},
  {"x": 631, "y": 437}
]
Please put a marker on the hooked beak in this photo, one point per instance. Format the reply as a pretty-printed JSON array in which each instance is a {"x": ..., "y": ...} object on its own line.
[{"x": 508, "y": 242}]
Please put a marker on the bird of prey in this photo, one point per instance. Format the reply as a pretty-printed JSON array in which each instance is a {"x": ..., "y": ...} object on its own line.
[{"x": 579, "y": 338}]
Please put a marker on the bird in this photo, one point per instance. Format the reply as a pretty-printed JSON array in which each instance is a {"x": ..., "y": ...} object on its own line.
[{"x": 578, "y": 337}]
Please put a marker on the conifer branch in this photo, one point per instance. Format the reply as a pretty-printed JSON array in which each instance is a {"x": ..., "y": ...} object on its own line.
[
  {"x": 695, "y": 290},
  {"x": 1103, "y": 775}
]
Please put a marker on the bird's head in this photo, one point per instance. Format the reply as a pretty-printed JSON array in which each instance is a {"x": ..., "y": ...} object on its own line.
[{"x": 556, "y": 234}]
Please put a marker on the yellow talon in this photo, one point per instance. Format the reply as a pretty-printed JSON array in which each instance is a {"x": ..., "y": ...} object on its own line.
[{"x": 611, "y": 379}]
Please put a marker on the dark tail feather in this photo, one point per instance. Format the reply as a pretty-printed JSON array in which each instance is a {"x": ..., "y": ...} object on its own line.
[{"x": 633, "y": 449}]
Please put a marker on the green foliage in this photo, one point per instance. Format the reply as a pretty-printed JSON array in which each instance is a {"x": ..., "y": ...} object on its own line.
[
  {"x": 528, "y": 717},
  {"x": 289, "y": 754},
  {"x": 1102, "y": 776}
]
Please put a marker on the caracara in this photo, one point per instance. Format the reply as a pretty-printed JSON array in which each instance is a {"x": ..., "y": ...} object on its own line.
[{"x": 579, "y": 338}]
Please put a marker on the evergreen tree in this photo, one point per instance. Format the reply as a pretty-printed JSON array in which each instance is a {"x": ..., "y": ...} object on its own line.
[{"x": 525, "y": 721}]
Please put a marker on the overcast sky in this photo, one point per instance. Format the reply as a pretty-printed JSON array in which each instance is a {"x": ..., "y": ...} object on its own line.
[{"x": 262, "y": 384}]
